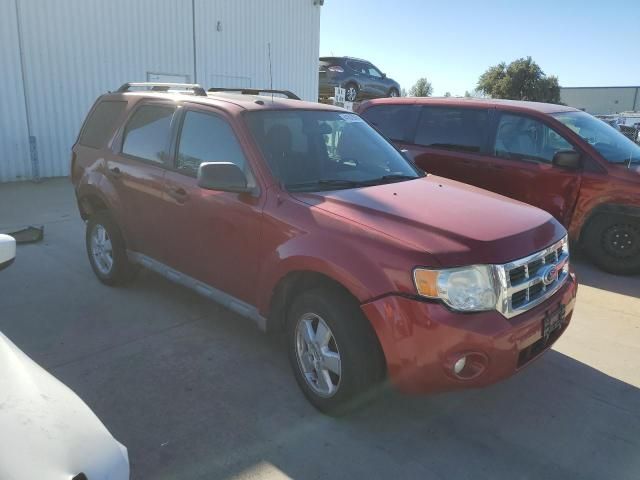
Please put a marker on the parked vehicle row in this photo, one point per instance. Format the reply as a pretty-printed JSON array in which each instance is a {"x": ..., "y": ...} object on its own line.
[
  {"x": 304, "y": 218},
  {"x": 360, "y": 78},
  {"x": 565, "y": 161}
]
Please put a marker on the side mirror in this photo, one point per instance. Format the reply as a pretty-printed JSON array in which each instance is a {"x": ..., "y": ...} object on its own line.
[
  {"x": 223, "y": 176},
  {"x": 384, "y": 75},
  {"x": 568, "y": 159},
  {"x": 7, "y": 251}
]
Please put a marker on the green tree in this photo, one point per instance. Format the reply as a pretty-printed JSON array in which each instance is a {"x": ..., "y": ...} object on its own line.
[
  {"x": 403, "y": 92},
  {"x": 467, "y": 94},
  {"x": 422, "y": 88},
  {"x": 447, "y": 94},
  {"x": 522, "y": 79}
]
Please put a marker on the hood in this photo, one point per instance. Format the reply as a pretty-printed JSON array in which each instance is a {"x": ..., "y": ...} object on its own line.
[
  {"x": 46, "y": 430},
  {"x": 457, "y": 223}
]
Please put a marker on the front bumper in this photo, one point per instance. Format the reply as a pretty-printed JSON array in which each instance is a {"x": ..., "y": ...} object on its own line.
[{"x": 422, "y": 340}]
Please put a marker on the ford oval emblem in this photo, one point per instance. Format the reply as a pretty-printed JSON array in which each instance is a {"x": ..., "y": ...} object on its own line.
[{"x": 550, "y": 275}]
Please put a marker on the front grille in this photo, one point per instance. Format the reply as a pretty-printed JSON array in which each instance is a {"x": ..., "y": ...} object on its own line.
[{"x": 531, "y": 280}]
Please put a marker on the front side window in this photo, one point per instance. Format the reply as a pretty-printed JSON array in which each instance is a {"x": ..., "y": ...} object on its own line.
[
  {"x": 524, "y": 138},
  {"x": 373, "y": 71},
  {"x": 459, "y": 129},
  {"x": 614, "y": 146},
  {"x": 147, "y": 133},
  {"x": 310, "y": 150},
  {"x": 397, "y": 122},
  {"x": 207, "y": 138}
]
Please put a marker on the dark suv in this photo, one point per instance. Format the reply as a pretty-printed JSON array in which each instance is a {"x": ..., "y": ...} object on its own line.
[
  {"x": 360, "y": 79},
  {"x": 303, "y": 218}
]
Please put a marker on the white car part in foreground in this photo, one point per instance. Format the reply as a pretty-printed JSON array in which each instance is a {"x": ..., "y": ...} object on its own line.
[{"x": 46, "y": 431}]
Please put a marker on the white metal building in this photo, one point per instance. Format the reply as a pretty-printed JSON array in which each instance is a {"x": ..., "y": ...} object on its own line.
[
  {"x": 602, "y": 100},
  {"x": 57, "y": 56}
]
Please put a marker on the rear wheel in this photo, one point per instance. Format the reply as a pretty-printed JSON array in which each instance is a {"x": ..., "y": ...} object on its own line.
[
  {"x": 613, "y": 243},
  {"x": 394, "y": 92},
  {"x": 107, "y": 252},
  {"x": 351, "y": 92},
  {"x": 334, "y": 352}
]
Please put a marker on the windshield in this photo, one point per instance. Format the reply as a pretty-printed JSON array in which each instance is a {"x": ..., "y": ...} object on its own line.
[
  {"x": 608, "y": 141},
  {"x": 312, "y": 150}
]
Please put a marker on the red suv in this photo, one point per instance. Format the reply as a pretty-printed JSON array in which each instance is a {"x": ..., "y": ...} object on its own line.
[
  {"x": 565, "y": 161},
  {"x": 303, "y": 218}
]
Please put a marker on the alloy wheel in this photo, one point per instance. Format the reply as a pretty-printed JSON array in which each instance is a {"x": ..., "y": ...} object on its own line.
[
  {"x": 351, "y": 94},
  {"x": 102, "y": 249},
  {"x": 318, "y": 355}
]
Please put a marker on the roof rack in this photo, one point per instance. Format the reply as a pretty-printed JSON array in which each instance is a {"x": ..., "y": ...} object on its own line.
[
  {"x": 164, "y": 87},
  {"x": 254, "y": 91}
]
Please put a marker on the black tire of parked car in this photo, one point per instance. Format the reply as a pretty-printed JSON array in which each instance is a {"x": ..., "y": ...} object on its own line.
[
  {"x": 394, "y": 92},
  {"x": 612, "y": 242},
  {"x": 351, "y": 92},
  {"x": 362, "y": 362},
  {"x": 122, "y": 270}
]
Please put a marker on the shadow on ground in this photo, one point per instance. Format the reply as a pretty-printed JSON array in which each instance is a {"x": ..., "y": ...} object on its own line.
[{"x": 590, "y": 275}]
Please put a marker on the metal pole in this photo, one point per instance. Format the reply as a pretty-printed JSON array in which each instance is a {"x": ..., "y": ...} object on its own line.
[
  {"x": 33, "y": 146},
  {"x": 193, "y": 30}
]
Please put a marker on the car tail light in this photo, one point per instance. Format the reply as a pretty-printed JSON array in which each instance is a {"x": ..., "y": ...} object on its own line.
[{"x": 336, "y": 68}]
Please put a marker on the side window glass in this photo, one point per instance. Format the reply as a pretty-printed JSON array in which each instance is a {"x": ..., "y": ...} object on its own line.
[
  {"x": 101, "y": 124},
  {"x": 397, "y": 122},
  {"x": 461, "y": 129},
  {"x": 147, "y": 133},
  {"x": 207, "y": 138},
  {"x": 524, "y": 138},
  {"x": 374, "y": 72}
]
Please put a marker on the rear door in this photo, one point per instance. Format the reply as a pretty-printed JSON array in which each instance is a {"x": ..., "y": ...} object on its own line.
[
  {"x": 210, "y": 235},
  {"x": 520, "y": 165},
  {"x": 137, "y": 173},
  {"x": 452, "y": 142}
]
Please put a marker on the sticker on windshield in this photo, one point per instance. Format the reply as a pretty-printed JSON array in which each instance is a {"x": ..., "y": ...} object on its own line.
[{"x": 351, "y": 118}]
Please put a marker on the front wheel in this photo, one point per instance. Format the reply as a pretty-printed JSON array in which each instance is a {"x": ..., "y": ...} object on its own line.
[
  {"x": 394, "y": 93},
  {"x": 333, "y": 350},
  {"x": 613, "y": 243}
]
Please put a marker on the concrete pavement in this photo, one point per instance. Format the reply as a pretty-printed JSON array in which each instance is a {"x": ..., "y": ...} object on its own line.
[{"x": 196, "y": 392}]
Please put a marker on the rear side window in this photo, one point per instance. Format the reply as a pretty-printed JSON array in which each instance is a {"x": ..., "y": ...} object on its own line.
[
  {"x": 147, "y": 133},
  {"x": 397, "y": 122},
  {"x": 207, "y": 138},
  {"x": 462, "y": 129},
  {"x": 101, "y": 124}
]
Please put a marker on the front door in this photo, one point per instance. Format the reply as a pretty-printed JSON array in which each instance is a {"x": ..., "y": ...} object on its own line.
[
  {"x": 521, "y": 165},
  {"x": 210, "y": 235}
]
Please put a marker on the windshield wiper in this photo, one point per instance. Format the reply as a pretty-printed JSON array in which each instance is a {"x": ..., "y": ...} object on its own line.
[
  {"x": 389, "y": 179},
  {"x": 337, "y": 183}
]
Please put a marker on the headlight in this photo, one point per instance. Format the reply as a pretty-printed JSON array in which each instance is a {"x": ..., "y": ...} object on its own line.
[{"x": 467, "y": 289}]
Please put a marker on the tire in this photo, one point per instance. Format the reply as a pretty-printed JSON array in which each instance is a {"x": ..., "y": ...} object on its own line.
[
  {"x": 394, "y": 92},
  {"x": 341, "y": 385},
  {"x": 351, "y": 92},
  {"x": 107, "y": 252},
  {"x": 612, "y": 242}
]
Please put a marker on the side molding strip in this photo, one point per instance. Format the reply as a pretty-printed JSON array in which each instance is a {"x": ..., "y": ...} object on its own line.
[{"x": 218, "y": 296}]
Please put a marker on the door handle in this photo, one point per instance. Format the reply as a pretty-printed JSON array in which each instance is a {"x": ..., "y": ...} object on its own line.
[{"x": 179, "y": 194}]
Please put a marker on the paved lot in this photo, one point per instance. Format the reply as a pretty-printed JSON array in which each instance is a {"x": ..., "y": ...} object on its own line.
[{"x": 196, "y": 392}]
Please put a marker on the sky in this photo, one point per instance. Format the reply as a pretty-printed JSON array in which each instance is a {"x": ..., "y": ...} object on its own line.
[{"x": 584, "y": 43}]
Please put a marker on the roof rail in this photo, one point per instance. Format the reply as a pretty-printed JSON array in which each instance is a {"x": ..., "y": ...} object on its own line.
[
  {"x": 164, "y": 87},
  {"x": 254, "y": 91}
]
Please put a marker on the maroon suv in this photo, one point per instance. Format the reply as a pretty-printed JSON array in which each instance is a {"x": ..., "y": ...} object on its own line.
[
  {"x": 565, "y": 161},
  {"x": 303, "y": 218}
]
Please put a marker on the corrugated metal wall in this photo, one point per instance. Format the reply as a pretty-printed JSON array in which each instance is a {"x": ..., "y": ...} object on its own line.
[
  {"x": 14, "y": 136},
  {"x": 602, "y": 100},
  {"x": 74, "y": 50}
]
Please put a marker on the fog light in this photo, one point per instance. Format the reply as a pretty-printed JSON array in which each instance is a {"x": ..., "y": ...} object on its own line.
[{"x": 459, "y": 365}]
